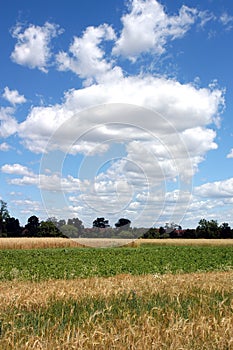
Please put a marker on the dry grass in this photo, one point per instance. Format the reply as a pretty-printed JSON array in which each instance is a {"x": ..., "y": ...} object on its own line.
[
  {"x": 36, "y": 243},
  {"x": 188, "y": 311},
  {"x": 186, "y": 242}
]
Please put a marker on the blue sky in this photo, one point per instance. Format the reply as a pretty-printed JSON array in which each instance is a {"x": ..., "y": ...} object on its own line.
[{"x": 117, "y": 109}]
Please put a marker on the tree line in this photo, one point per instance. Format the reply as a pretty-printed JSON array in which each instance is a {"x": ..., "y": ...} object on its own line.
[{"x": 74, "y": 228}]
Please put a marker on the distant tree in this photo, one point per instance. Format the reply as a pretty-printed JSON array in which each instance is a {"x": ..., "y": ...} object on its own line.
[
  {"x": 12, "y": 227},
  {"x": 4, "y": 214},
  {"x": 226, "y": 231},
  {"x": 162, "y": 231},
  {"x": 69, "y": 231},
  {"x": 100, "y": 223},
  {"x": 123, "y": 224},
  {"x": 48, "y": 229},
  {"x": 77, "y": 223},
  {"x": 207, "y": 229},
  {"x": 60, "y": 223},
  {"x": 32, "y": 227},
  {"x": 189, "y": 233},
  {"x": 151, "y": 233}
]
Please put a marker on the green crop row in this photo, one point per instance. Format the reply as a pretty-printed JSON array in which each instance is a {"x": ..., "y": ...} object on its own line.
[{"x": 69, "y": 263}]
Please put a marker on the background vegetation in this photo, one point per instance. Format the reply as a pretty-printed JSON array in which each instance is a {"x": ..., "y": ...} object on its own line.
[{"x": 74, "y": 228}]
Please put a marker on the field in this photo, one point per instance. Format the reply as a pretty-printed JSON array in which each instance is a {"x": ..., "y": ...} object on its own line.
[
  {"x": 35, "y": 243},
  {"x": 150, "y": 296}
]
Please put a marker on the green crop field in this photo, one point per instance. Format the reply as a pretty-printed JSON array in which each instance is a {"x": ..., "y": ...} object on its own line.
[{"x": 68, "y": 263}]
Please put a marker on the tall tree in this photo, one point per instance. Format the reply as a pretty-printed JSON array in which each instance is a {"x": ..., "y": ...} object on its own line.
[
  {"x": 48, "y": 229},
  {"x": 4, "y": 214},
  {"x": 32, "y": 227},
  {"x": 13, "y": 228},
  {"x": 76, "y": 222},
  {"x": 207, "y": 229}
]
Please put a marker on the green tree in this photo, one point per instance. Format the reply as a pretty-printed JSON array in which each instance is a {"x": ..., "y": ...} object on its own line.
[
  {"x": 32, "y": 227},
  {"x": 4, "y": 214},
  {"x": 226, "y": 231},
  {"x": 13, "y": 228},
  {"x": 69, "y": 231},
  {"x": 48, "y": 229},
  {"x": 77, "y": 223},
  {"x": 207, "y": 229}
]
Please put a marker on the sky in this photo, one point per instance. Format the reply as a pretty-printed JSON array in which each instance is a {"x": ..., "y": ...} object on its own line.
[{"x": 117, "y": 109}]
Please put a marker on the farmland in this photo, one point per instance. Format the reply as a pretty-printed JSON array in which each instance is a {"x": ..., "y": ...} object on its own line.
[{"x": 148, "y": 296}]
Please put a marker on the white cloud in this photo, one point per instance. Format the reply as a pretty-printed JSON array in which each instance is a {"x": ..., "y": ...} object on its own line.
[
  {"x": 163, "y": 126},
  {"x": 205, "y": 17},
  {"x": 86, "y": 58},
  {"x": 16, "y": 169},
  {"x": 32, "y": 47},
  {"x": 217, "y": 189},
  {"x": 13, "y": 96},
  {"x": 181, "y": 105},
  {"x": 226, "y": 20},
  {"x": 8, "y": 124},
  {"x": 230, "y": 154},
  {"x": 4, "y": 147},
  {"x": 148, "y": 28}
]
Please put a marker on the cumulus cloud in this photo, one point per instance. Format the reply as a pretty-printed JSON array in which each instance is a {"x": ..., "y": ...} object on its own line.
[
  {"x": 13, "y": 96},
  {"x": 230, "y": 154},
  {"x": 8, "y": 124},
  {"x": 181, "y": 105},
  {"x": 86, "y": 58},
  {"x": 32, "y": 47},
  {"x": 16, "y": 169},
  {"x": 148, "y": 28},
  {"x": 4, "y": 147},
  {"x": 163, "y": 126},
  {"x": 217, "y": 189}
]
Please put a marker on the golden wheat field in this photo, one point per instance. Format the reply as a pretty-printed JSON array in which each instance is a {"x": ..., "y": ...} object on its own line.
[
  {"x": 36, "y": 243},
  {"x": 188, "y": 311},
  {"x": 55, "y": 242}
]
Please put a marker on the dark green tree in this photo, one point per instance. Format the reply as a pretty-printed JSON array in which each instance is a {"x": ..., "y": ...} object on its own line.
[
  {"x": 13, "y": 228},
  {"x": 32, "y": 227},
  {"x": 48, "y": 229},
  {"x": 4, "y": 214},
  {"x": 226, "y": 231},
  {"x": 207, "y": 229},
  {"x": 123, "y": 224}
]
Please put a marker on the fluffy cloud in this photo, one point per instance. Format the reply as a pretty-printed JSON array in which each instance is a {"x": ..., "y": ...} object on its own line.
[
  {"x": 164, "y": 127},
  {"x": 4, "y": 147},
  {"x": 226, "y": 20},
  {"x": 230, "y": 154},
  {"x": 13, "y": 96},
  {"x": 171, "y": 108},
  {"x": 86, "y": 58},
  {"x": 8, "y": 124},
  {"x": 16, "y": 169},
  {"x": 217, "y": 189},
  {"x": 147, "y": 28},
  {"x": 32, "y": 47}
]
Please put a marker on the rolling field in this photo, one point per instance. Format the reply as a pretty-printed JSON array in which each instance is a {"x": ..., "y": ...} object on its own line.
[{"x": 150, "y": 296}]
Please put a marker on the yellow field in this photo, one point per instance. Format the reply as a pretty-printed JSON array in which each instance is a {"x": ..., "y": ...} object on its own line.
[
  {"x": 190, "y": 312},
  {"x": 185, "y": 241},
  {"x": 33, "y": 243}
]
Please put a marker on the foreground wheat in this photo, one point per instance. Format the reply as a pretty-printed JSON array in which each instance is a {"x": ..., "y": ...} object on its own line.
[{"x": 189, "y": 311}]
